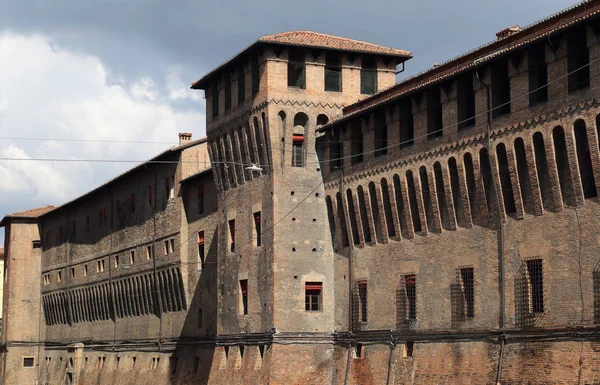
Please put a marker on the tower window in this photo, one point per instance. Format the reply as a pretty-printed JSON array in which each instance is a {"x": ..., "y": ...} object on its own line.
[
  {"x": 312, "y": 291},
  {"x": 410, "y": 283},
  {"x": 244, "y": 292},
  {"x": 368, "y": 76},
  {"x": 257, "y": 228},
  {"x": 465, "y": 99},
  {"x": 296, "y": 69},
  {"x": 232, "y": 234},
  {"x": 333, "y": 72},
  {"x": 538, "y": 74},
  {"x": 578, "y": 64},
  {"x": 434, "y": 114},
  {"x": 170, "y": 187},
  {"x": 362, "y": 301},
  {"x": 535, "y": 278},
  {"x": 200, "y": 250},
  {"x": 298, "y": 151},
  {"x": 468, "y": 292},
  {"x": 500, "y": 89}
]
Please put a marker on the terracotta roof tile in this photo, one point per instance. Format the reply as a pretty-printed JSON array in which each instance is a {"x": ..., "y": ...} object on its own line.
[
  {"x": 309, "y": 39},
  {"x": 31, "y": 213},
  {"x": 322, "y": 40}
]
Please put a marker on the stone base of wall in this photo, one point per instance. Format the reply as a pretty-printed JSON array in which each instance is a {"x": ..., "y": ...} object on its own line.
[{"x": 425, "y": 362}]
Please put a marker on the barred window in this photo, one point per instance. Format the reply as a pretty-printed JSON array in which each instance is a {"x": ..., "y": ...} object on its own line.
[
  {"x": 410, "y": 282},
  {"x": 362, "y": 297},
  {"x": 468, "y": 292},
  {"x": 536, "y": 285}
]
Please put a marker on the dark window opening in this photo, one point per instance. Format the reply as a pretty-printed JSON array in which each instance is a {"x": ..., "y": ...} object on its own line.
[
  {"x": 387, "y": 208},
  {"x": 336, "y": 150},
  {"x": 215, "y": 100},
  {"x": 505, "y": 182},
  {"x": 333, "y": 72},
  {"x": 441, "y": 195},
  {"x": 241, "y": 85},
  {"x": 244, "y": 291},
  {"x": 312, "y": 295},
  {"x": 578, "y": 60},
  {"x": 227, "y": 86},
  {"x": 562, "y": 166},
  {"x": 298, "y": 151},
  {"x": 541, "y": 164},
  {"x": 536, "y": 286},
  {"x": 468, "y": 291},
  {"x": 257, "y": 228},
  {"x": 586, "y": 171},
  {"x": 368, "y": 75},
  {"x": 341, "y": 216},
  {"x": 296, "y": 69},
  {"x": 362, "y": 205},
  {"x": 381, "y": 142},
  {"x": 28, "y": 362},
  {"x": 362, "y": 298},
  {"x": 500, "y": 89},
  {"x": 410, "y": 284},
  {"x": 409, "y": 348},
  {"x": 434, "y": 114},
  {"x": 538, "y": 75},
  {"x": 356, "y": 145},
  {"x": 352, "y": 216},
  {"x": 232, "y": 234},
  {"x": 331, "y": 219},
  {"x": 465, "y": 99},
  {"x": 255, "y": 74},
  {"x": 407, "y": 132},
  {"x": 523, "y": 173},
  {"x": 412, "y": 200},
  {"x": 200, "y": 250}
]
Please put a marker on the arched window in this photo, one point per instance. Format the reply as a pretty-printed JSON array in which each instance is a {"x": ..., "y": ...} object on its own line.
[
  {"x": 341, "y": 216},
  {"x": 470, "y": 176},
  {"x": 586, "y": 171},
  {"x": 456, "y": 194},
  {"x": 562, "y": 165},
  {"x": 300, "y": 122},
  {"x": 541, "y": 163},
  {"x": 322, "y": 120},
  {"x": 427, "y": 203},
  {"x": 412, "y": 200},
  {"x": 400, "y": 206},
  {"x": 505, "y": 182},
  {"x": 387, "y": 208},
  {"x": 364, "y": 218},
  {"x": 331, "y": 219},
  {"x": 486, "y": 177},
  {"x": 375, "y": 211},
  {"x": 523, "y": 173},
  {"x": 352, "y": 216},
  {"x": 441, "y": 195}
]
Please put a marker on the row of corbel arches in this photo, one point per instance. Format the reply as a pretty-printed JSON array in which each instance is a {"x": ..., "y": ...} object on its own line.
[
  {"x": 132, "y": 296},
  {"x": 233, "y": 151},
  {"x": 540, "y": 170}
]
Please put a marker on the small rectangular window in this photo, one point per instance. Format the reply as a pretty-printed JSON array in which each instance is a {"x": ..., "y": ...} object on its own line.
[
  {"x": 215, "y": 100},
  {"x": 28, "y": 362},
  {"x": 59, "y": 276},
  {"x": 362, "y": 298},
  {"x": 227, "y": 86},
  {"x": 131, "y": 257},
  {"x": 72, "y": 272},
  {"x": 116, "y": 262},
  {"x": 132, "y": 203},
  {"x": 172, "y": 243},
  {"x": 244, "y": 296},
  {"x": 333, "y": 72},
  {"x": 368, "y": 76},
  {"x": 46, "y": 279},
  {"x": 85, "y": 270},
  {"x": 296, "y": 69},
  {"x": 241, "y": 84},
  {"x": 201, "y": 199},
  {"x": 298, "y": 150},
  {"x": 312, "y": 295},
  {"x": 170, "y": 187},
  {"x": 166, "y": 247},
  {"x": 148, "y": 252},
  {"x": 410, "y": 282},
  {"x": 257, "y": 228},
  {"x": 133, "y": 359},
  {"x": 200, "y": 250},
  {"x": 232, "y": 234},
  {"x": 536, "y": 285}
]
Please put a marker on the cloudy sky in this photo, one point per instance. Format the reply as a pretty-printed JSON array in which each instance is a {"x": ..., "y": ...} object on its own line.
[{"x": 108, "y": 70}]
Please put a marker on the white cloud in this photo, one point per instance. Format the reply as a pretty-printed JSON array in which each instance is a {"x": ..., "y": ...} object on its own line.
[
  {"x": 178, "y": 88},
  {"x": 49, "y": 92}
]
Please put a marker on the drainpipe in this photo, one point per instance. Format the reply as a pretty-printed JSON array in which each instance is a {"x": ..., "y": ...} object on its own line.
[{"x": 500, "y": 221}]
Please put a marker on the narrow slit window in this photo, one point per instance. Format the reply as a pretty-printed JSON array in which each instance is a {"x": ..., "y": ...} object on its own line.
[
  {"x": 232, "y": 235},
  {"x": 149, "y": 196},
  {"x": 410, "y": 283},
  {"x": 336, "y": 149},
  {"x": 468, "y": 291},
  {"x": 200, "y": 250},
  {"x": 257, "y": 228},
  {"x": 244, "y": 296},
  {"x": 362, "y": 298},
  {"x": 536, "y": 285},
  {"x": 132, "y": 203}
]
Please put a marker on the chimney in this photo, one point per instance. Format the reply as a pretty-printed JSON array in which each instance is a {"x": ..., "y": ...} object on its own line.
[
  {"x": 506, "y": 32},
  {"x": 185, "y": 138}
]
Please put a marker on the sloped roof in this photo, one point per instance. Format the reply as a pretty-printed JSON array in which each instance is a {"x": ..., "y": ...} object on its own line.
[
  {"x": 311, "y": 39},
  {"x": 31, "y": 213}
]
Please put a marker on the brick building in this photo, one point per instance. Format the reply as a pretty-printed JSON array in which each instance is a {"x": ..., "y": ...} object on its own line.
[{"x": 350, "y": 231}]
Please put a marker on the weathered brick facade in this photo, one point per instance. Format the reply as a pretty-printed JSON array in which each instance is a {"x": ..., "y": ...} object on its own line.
[{"x": 442, "y": 230}]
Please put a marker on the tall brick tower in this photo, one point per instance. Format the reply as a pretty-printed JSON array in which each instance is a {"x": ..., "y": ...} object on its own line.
[{"x": 276, "y": 259}]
